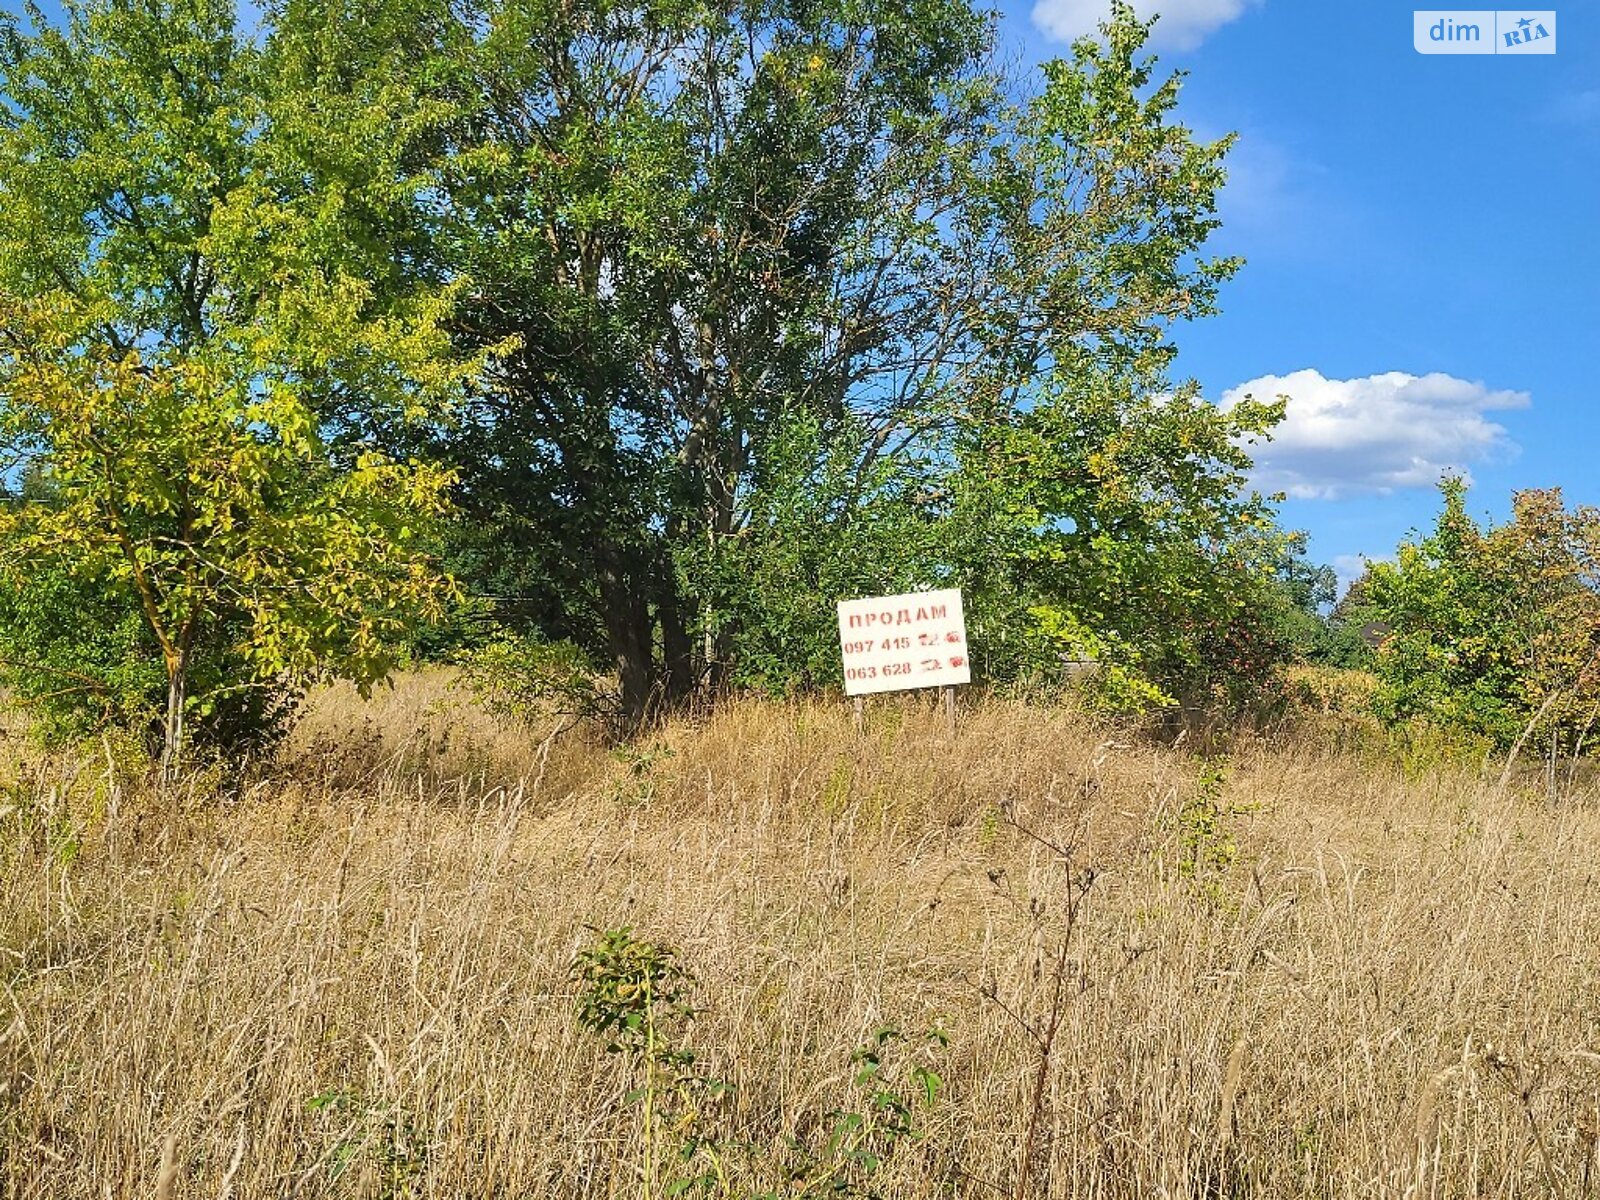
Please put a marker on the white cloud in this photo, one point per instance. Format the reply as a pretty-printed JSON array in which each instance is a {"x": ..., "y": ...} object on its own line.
[
  {"x": 1343, "y": 437},
  {"x": 1184, "y": 24}
]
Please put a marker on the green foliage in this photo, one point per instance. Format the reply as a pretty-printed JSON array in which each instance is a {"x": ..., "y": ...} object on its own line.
[
  {"x": 637, "y": 781},
  {"x": 1093, "y": 513},
  {"x": 100, "y": 668},
  {"x": 1108, "y": 521},
  {"x": 521, "y": 677},
  {"x": 1494, "y": 632},
  {"x": 1302, "y": 610},
  {"x": 1100, "y": 513},
  {"x": 894, "y": 1089},
  {"x": 1342, "y": 692},
  {"x": 817, "y": 527},
  {"x": 1207, "y": 845},
  {"x": 635, "y": 996},
  {"x": 683, "y": 213},
  {"x": 194, "y": 356},
  {"x": 1352, "y": 629},
  {"x": 384, "y": 1139},
  {"x": 666, "y": 325},
  {"x": 790, "y": 331},
  {"x": 208, "y": 502}
]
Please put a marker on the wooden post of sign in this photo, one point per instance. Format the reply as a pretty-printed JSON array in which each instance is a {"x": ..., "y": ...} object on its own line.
[
  {"x": 860, "y": 707},
  {"x": 950, "y": 708}
]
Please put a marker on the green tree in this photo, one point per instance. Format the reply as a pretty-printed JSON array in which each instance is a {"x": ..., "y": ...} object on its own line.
[
  {"x": 716, "y": 230},
  {"x": 703, "y": 223},
  {"x": 198, "y": 336},
  {"x": 1351, "y": 630},
  {"x": 748, "y": 305},
  {"x": 815, "y": 526},
  {"x": 1303, "y": 609},
  {"x": 1494, "y": 630},
  {"x": 1109, "y": 520}
]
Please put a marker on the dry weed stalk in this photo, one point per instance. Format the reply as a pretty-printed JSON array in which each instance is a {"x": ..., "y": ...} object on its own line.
[
  {"x": 167, "y": 1174},
  {"x": 1232, "y": 1078}
]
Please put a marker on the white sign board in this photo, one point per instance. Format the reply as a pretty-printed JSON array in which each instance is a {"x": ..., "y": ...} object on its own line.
[{"x": 892, "y": 643}]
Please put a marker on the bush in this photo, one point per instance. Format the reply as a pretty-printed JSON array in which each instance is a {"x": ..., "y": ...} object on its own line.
[
  {"x": 77, "y": 653},
  {"x": 1494, "y": 631},
  {"x": 520, "y": 677}
]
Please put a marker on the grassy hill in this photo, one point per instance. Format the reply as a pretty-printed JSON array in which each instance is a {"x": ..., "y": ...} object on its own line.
[{"x": 1043, "y": 957}]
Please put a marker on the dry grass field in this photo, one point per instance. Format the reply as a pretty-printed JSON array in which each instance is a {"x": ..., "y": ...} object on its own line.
[{"x": 1301, "y": 973}]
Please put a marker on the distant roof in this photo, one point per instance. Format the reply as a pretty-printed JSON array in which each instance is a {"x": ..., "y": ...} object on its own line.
[{"x": 1373, "y": 632}]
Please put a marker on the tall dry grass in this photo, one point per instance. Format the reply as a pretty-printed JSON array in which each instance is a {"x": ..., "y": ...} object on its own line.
[{"x": 352, "y": 978}]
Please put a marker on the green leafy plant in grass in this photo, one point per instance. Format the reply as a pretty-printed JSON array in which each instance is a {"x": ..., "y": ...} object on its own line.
[
  {"x": 385, "y": 1138},
  {"x": 636, "y": 785},
  {"x": 895, "y": 1091},
  {"x": 635, "y": 995},
  {"x": 1206, "y": 841},
  {"x": 521, "y": 677}
]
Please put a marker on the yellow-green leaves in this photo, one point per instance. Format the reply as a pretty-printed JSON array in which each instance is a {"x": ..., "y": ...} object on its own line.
[
  {"x": 213, "y": 339},
  {"x": 1494, "y": 630},
  {"x": 210, "y": 494}
]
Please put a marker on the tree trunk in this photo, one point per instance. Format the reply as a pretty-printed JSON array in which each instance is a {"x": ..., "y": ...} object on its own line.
[
  {"x": 625, "y": 606},
  {"x": 677, "y": 648},
  {"x": 172, "y": 729}
]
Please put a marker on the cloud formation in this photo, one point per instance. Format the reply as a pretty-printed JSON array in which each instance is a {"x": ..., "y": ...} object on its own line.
[
  {"x": 1377, "y": 434},
  {"x": 1184, "y": 24}
]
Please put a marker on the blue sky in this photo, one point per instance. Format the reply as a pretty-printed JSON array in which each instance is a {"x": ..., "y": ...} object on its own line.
[{"x": 1403, "y": 215}]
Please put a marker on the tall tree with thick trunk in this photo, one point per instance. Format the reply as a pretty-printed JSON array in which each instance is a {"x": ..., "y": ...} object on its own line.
[
  {"x": 706, "y": 223},
  {"x": 677, "y": 211}
]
